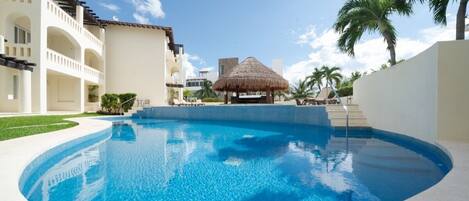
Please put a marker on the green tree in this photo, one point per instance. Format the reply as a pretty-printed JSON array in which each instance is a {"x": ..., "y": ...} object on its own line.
[
  {"x": 355, "y": 76},
  {"x": 301, "y": 90},
  {"x": 315, "y": 79},
  {"x": 187, "y": 93},
  {"x": 331, "y": 75},
  {"x": 439, "y": 9},
  {"x": 359, "y": 16},
  {"x": 206, "y": 91}
]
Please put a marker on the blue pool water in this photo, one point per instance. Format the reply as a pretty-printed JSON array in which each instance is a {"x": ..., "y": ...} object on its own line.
[{"x": 148, "y": 159}]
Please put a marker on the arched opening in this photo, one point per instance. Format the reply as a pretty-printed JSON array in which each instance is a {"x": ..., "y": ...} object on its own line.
[
  {"x": 93, "y": 60},
  {"x": 63, "y": 43}
]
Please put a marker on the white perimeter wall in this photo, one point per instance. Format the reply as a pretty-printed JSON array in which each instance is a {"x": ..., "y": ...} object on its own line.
[
  {"x": 135, "y": 60},
  {"x": 426, "y": 97}
]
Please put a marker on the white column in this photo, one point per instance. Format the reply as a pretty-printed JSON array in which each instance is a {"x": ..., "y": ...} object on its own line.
[
  {"x": 82, "y": 95},
  {"x": 26, "y": 102},
  {"x": 79, "y": 14}
]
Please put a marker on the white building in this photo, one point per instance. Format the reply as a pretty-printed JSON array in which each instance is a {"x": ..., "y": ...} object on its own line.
[
  {"x": 80, "y": 57},
  {"x": 195, "y": 83}
]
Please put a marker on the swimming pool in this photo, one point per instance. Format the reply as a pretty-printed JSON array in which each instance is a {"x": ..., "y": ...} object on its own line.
[{"x": 150, "y": 159}]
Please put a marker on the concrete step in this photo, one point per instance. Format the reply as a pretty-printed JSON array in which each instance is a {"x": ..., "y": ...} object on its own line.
[
  {"x": 352, "y": 115},
  {"x": 340, "y": 107},
  {"x": 341, "y": 122}
]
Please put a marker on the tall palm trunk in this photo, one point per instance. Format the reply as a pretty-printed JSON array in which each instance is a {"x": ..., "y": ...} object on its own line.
[
  {"x": 392, "y": 53},
  {"x": 461, "y": 20}
]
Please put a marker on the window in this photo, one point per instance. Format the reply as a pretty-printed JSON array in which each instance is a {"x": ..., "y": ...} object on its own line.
[
  {"x": 15, "y": 87},
  {"x": 22, "y": 35}
]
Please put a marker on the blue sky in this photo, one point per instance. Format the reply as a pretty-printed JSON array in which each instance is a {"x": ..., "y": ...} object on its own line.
[{"x": 297, "y": 31}]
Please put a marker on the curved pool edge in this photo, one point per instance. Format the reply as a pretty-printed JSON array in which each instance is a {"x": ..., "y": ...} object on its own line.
[
  {"x": 453, "y": 187},
  {"x": 17, "y": 154}
]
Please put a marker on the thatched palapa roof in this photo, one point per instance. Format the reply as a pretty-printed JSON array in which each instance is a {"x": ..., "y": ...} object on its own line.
[{"x": 251, "y": 75}]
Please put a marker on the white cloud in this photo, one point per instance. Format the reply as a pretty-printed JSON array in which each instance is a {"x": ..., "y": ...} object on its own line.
[
  {"x": 110, "y": 6},
  {"x": 188, "y": 66},
  {"x": 147, "y": 7},
  {"x": 369, "y": 54},
  {"x": 141, "y": 19},
  {"x": 115, "y": 18}
]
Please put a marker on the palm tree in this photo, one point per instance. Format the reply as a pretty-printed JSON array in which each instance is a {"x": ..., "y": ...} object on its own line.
[
  {"x": 332, "y": 75},
  {"x": 359, "y": 16},
  {"x": 439, "y": 9},
  {"x": 206, "y": 91},
  {"x": 355, "y": 76},
  {"x": 315, "y": 79},
  {"x": 300, "y": 91}
]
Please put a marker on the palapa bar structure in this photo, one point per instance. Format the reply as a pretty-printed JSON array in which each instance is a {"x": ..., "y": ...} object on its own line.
[{"x": 251, "y": 76}]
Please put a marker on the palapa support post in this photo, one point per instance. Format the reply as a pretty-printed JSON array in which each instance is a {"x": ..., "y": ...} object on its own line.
[
  {"x": 273, "y": 97},
  {"x": 269, "y": 96},
  {"x": 226, "y": 97}
]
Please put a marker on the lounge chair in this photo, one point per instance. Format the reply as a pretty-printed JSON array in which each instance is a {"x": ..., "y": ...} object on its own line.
[
  {"x": 323, "y": 97},
  {"x": 178, "y": 103},
  {"x": 199, "y": 103}
]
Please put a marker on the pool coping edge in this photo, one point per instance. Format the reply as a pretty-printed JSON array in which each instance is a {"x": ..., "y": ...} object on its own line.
[{"x": 17, "y": 154}]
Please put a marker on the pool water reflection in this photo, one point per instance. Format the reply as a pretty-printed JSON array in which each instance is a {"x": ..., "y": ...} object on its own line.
[{"x": 147, "y": 159}]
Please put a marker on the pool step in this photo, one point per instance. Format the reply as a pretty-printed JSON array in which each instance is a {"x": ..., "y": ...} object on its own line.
[
  {"x": 133, "y": 111},
  {"x": 337, "y": 116}
]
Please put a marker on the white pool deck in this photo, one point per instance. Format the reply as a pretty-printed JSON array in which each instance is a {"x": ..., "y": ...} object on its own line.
[{"x": 16, "y": 154}]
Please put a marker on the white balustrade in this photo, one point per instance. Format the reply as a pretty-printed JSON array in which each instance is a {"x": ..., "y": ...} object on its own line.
[
  {"x": 21, "y": 51},
  {"x": 54, "y": 9},
  {"x": 92, "y": 74},
  {"x": 64, "y": 64},
  {"x": 71, "y": 22},
  {"x": 20, "y": 1}
]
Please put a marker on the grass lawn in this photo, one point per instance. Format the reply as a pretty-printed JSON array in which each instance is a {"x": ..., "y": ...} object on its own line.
[{"x": 14, "y": 127}]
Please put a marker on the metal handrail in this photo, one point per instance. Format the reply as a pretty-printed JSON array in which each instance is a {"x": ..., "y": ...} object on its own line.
[
  {"x": 347, "y": 114},
  {"x": 121, "y": 104}
]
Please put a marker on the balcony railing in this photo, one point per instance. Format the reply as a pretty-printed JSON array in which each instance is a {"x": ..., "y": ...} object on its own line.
[
  {"x": 71, "y": 22},
  {"x": 61, "y": 63},
  {"x": 22, "y": 51},
  {"x": 20, "y": 1},
  {"x": 93, "y": 75}
]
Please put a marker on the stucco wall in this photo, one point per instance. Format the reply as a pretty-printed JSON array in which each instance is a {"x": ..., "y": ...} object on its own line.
[
  {"x": 6, "y": 88},
  {"x": 453, "y": 91},
  {"x": 135, "y": 60},
  {"x": 422, "y": 97},
  {"x": 63, "y": 93},
  {"x": 251, "y": 113}
]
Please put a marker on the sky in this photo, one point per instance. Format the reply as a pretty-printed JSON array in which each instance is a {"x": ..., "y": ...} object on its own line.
[{"x": 297, "y": 31}]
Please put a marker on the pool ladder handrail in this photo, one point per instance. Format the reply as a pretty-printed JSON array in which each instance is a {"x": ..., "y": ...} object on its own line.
[{"x": 347, "y": 114}]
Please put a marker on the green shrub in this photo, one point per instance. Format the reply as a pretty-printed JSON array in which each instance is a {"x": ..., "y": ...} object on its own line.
[
  {"x": 212, "y": 100},
  {"x": 110, "y": 102},
  {"x": 345, "y": 91},
  {"x": 127, "y": 100}
]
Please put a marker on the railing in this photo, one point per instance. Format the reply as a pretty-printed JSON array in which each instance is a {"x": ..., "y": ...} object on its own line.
[
  {"x": 92, "y": 38},
  {"x": 92, "y": 74},
  {"x": 21, "y": 1},
  {"x": 64, "y": 17},
  {"x": 18, "y": 50},
  {"x": 62, "y": 62},
  {"x": 347, "y": 114}
]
